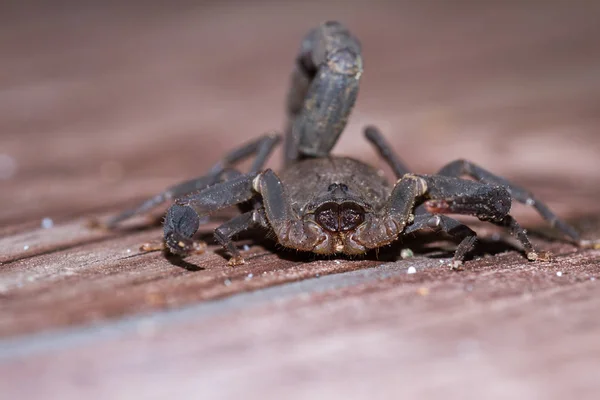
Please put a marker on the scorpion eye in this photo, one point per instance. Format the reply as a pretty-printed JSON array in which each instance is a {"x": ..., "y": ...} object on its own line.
[
  {"x": 351, "y": 215},
  {"x": 335, "y": 186}
]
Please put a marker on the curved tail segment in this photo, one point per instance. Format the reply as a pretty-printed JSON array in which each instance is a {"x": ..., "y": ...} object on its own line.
[{"x": 324, "y": 88}]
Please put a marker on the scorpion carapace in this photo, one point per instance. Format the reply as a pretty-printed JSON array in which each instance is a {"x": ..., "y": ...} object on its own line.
[{"x": 327, "y": 204}]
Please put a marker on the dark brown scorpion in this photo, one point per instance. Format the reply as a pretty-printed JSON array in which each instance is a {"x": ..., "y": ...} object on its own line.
[{"x": 328, "y": 204}]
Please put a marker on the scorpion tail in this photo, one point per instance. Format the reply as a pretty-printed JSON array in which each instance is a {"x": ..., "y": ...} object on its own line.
[{"x": 324, "y": 89}]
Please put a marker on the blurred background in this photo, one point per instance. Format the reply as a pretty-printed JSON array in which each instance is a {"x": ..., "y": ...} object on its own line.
[{"x": 105, "y": 103}]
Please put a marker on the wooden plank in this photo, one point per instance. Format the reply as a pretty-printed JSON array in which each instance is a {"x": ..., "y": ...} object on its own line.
[{"x": 517, "y": 329}]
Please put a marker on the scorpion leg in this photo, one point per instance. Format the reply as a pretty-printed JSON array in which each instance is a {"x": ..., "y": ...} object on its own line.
[
  {"x": 183, "y": 217},
  {"x": 324, "y": 89},
  {"x": 229, "y": 229},
  {"x": 262, "y": 147},
  {"x": 169, "y": 194},
  {"x": 452, "y": 227},
  {"x": 386, "y": 151},
  {"x": 466, "y": 168},
  {"x": 451, "y": 195}
]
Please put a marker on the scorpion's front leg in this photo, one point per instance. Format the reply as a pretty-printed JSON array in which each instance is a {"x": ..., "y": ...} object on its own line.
[
  {"x": 171, "y": 193},
  {"x": 324, "y": 89},
  {"x": 221, "y": 171},
  {"x": 491, "y": 203},
  {"x": 183, "y": 217},
  {"x": 466, "y": 168},
  {"x": 454, "y": 228}
]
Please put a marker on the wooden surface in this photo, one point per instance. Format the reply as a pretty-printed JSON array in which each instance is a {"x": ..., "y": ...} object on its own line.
[{"x": 104, "y": 105}]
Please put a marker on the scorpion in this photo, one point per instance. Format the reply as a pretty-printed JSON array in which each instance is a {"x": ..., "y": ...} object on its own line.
[{"x": 327, "y": 204}]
